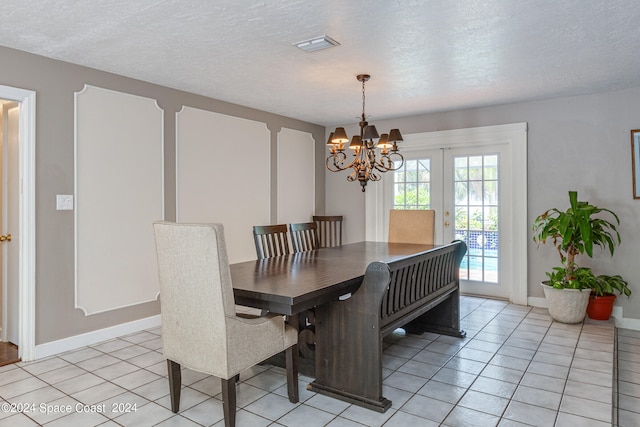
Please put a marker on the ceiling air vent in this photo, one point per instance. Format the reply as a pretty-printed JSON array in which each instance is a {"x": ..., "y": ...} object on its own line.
[{"x": 316, "y": 43}]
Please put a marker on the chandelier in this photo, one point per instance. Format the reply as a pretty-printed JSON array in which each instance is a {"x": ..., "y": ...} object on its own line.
[{"x": 366, "y": 163}]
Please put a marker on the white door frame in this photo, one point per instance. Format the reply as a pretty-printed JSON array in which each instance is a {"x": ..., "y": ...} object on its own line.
[
  {"x": 26, "y": 218},
  {"x": 513, "y": 134}
]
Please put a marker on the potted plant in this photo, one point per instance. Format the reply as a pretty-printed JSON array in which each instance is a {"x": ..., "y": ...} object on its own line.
[
  {"x": 603, "y": 296},
  {"x": 573, "y": 232}
]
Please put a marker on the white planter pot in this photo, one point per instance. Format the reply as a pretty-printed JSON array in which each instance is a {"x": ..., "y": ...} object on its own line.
[{"x": 566, "y": 305}]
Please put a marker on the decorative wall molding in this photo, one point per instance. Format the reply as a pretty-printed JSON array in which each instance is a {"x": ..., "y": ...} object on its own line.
[
  {"x": 119, "y": 192},
  {"x": 223, "y": 169},
  {"x": 296, "y": 176}
]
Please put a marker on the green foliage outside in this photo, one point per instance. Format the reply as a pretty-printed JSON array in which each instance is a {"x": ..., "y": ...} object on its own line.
[{"x": 476, "y": 222}]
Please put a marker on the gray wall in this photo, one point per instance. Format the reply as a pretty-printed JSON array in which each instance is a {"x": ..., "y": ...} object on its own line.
[
  {"x": 55, "y": 83},
  {"x": 577, "y": 143}
]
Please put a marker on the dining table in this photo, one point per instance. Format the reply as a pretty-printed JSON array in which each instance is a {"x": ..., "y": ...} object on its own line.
[{"x": 293, "y": 283}]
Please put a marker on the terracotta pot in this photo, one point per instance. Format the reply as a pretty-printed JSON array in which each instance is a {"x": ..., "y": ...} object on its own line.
[{"x": 600, "y": 307}]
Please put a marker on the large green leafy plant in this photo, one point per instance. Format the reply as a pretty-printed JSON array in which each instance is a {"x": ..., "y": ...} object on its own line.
[{"x": 577, "y": 231}]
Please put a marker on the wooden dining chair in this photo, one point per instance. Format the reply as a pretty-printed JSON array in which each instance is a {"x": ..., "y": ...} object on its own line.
[
  {"x": 329, "y": 230},
  {"x": 412, "y": 226},
  {"x": 304, "y": 236},
  {"x": 200, "y": 329},
  {"x": 271, "y": 240}
]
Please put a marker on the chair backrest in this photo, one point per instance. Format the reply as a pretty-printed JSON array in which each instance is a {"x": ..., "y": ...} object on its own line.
[
  {"x": 271, "y": 240},
  {"x": 412, "y": 226},
  {"x": 304, "y": 236},
  {"x": 329, "y": 230},
  {"x": 196, "y": 293}
]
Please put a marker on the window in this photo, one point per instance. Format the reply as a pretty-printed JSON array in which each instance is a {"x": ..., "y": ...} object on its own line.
[{"x": 412, "y": 185}]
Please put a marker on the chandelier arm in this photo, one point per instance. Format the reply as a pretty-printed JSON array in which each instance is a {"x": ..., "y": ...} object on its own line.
[
  {"x": 332, "y": 162},
  {"x": 382, "y": 166},
  {"x": 386, "y": 162},
  {"x": 400, "y": 161},
  {"x": 335, "y": 162}
]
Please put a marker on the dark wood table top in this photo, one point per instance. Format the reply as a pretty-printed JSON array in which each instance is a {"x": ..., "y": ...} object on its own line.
[{"x": 293, "y": 283}]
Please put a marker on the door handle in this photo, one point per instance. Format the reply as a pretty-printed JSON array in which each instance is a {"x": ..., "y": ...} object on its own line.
[{"x": 7, "y": 238}]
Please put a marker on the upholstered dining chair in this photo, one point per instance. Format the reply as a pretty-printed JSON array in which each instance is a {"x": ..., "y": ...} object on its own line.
[
  {"x": 271, "y": 240},
  {"x": 200, "y": 329},
  {"x": 329, "y": 230},
  {"x": 304, "y": 236},
  {"x": 412, "y": 226}
]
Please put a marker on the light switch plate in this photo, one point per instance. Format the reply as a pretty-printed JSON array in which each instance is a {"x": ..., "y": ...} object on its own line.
[{"x": 64, "y": 202}]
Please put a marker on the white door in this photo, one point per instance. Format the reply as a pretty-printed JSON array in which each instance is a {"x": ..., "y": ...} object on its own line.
[
  {"x": 476, "y": 204},
  {"x": 469, "y": 178},
  {"x": 24, "y": 209},
  {"x": 8, "y": 223}
]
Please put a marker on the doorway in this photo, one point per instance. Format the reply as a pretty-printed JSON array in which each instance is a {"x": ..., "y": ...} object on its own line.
[
  {"x": 9, "y": 137},
  {"x": 21, "y": 329},
  {"x": 475, "y": 180}
]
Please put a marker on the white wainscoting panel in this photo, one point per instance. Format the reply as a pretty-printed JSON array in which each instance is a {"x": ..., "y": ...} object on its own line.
[
  {"x": 296, "y": 176},
  {"x": 119, "y": 192},
  {"x": 223, "y": 175}
]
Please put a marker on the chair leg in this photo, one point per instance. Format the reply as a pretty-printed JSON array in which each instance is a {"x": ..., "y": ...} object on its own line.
[
  {"x": 229, "y": 402},
  {"x": 291, "y": 355},
  {"x": 175, "y": 382}
]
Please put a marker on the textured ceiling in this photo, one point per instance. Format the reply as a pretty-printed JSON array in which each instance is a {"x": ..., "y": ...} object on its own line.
[{"x": 424, "y": 56}]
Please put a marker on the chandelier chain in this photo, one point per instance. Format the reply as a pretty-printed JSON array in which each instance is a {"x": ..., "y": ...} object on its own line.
[{"x": 363, "y": 98}]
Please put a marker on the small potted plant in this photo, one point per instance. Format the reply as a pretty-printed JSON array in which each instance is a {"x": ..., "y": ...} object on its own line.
[
  {"x": 573, "y": 232},
  {"x": 603, "y": 295}
]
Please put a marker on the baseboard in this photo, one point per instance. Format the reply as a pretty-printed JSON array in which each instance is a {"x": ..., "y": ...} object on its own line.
[
  {"x": 94, "y": 337},
  {"x": 624, "y": 323},
  {"x": 537, "y": 302},
  {"x": 617, "y": 312},
  {"x": 621, "y": 321}
]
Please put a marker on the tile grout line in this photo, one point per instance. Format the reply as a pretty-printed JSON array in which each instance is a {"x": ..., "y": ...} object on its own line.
[
  {"x": 615, "y": 415},
  {"x": 486, "y": 364}
]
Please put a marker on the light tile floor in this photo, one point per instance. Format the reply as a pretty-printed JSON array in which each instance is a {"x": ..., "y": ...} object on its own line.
[
  {"x": 628, "y": 373},
  {"x": 515, "y": 367}
]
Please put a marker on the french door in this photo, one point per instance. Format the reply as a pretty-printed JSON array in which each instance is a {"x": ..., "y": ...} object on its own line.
[
  {"x": 470, "y": 185},
  {"x": 474, "y": 199}
]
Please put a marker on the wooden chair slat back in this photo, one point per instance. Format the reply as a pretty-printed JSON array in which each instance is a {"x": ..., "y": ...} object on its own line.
[
  {"x": 329, "y": 230},
  {"x": 271, "y": 240},
  {"x": 304, "y": 236}
]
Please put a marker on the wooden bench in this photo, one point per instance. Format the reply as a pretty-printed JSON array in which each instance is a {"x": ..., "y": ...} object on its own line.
[{"x": 422, "y": 289}]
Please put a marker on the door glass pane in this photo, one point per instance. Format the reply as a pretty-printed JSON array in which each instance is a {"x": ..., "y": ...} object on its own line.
[
  {"x": 476, "y": 215},
  {"x": 412, "y": 185},
  {"x": 461, "y": 193}
]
